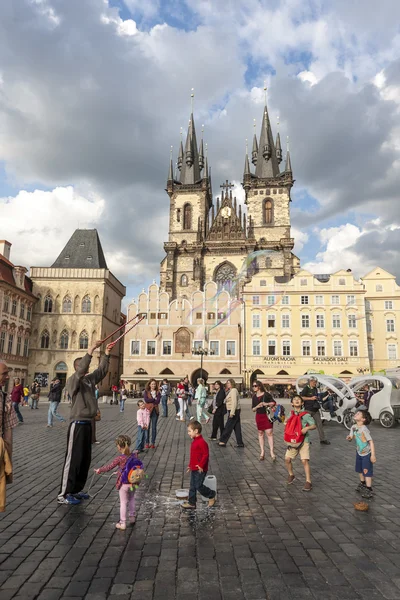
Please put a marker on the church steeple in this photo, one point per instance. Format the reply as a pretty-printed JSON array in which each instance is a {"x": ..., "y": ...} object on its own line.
[
  {"x": 288, "y": 164},
  {"x": 267, "y": 162}
]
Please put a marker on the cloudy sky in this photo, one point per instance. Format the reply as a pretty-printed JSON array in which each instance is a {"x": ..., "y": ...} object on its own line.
[{"x": 94, "y": 92}]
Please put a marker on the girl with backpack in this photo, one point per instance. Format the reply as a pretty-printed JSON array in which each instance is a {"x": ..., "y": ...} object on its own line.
[
  {"x": 125, "y": 462},
  {"x": 299, "y": 423},
  {"x": 262, "y": 401}
]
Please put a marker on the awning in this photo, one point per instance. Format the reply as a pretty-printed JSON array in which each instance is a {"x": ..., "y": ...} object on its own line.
[{"x": 275, "y": 380}]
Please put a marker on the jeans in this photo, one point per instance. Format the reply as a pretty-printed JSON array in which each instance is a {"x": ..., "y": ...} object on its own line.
[
  {"x": 122, "y": 405},
  {"x": 35, "y": 402},
  {"x": 53, "y": 413},
  {"x": 218, "y": 423},
  {"x": 141, "y": 435},
  {"x": 317, "y": 418},
  {"x": 329, "y": 405},
  {"x": 153, "y": 425},
  {"x": 197, "y": 485},
  {"x": 17, "y": 411},
  {"x": 176, "y": 403},
  {"x": 126, "y": 500},
  {"x": 233, "y": 425},
  {"x": 164, "y": 404}
]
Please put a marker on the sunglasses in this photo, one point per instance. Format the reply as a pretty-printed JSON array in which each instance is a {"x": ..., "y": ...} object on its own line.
[{"x": 255, "y": 386}]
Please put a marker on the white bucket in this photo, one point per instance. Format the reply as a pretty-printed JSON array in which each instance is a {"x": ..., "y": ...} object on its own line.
[
  {"x": 210, "y": 482},
  {"x": 182, "y": 495}
]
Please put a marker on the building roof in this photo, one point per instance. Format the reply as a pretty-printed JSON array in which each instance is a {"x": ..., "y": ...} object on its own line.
[
  {"x": 82, "y": 251},
  {"x": 7, "y": 274}
]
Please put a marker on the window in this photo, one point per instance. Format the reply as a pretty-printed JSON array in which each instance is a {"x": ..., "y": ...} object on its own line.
[
  {"x": 271, "y": 300},
  {"x": 162, "y": 316},
  {"x": 187, "y": 216},
  {"x": 67, "y": 305},
  {"x": 353, "y": 348},
  {"x": 26, "y": 347},
  {"x": 336, "y": 324},
  {"x": 45, "y": 339},
  {"x": 64, "y": 340},
  {"x": 256, "y": 348},
  {"x": 379, "y": 287},
  {"x": 86, "y": 305},
  {"x": 392, "y": 352},
  {"x": 303, "y": 281},
  {"x": 197, "y": 344},
  {"x": 388, "y": 305},
  {"x": 351, "y": 300},
  {"x": 371, "y": 351},
  {"x": 210, "y": 316},
  {"x": 320, "y": 347},
  {"x": 335, "y": 299},
  {"x": 184, "y": 281},
  {"x": 305, "y": 321},
  {"x": 256, "y": 321},
  {"x": 285, "y": 300},
  {"x": 151, "y": 348},
  {"x": 342, "y": 282},
  {"x": 29, "y": 313},
  {"x": 167, "y": 347},
  {"x": 214, "y": 347},
  {"x": 2, "y": 341},
  {"x": 22, "y": 311},
  {"x": 304, "y": 300},
  {"x": 351, "y": 319},
  {"x": 271, "y": 321},
  {"x": 369, "y": 326},
  {"x": 6, "y": 304},
  {"x": 285, "y": 321},
  {"x": 306, "y": 348},
  {"x": 19, "y": 343},
  {"x": 256, "y": 300},
  {"x": 14, "y": 307},
  {"x": 271, "y": 348},
  {"x": 89, "y": 258},
  {"x": 390, "y": 325},
  {"x": 231, "y": 348},
  {"x": 199, "y": 315},
  {"x": 337, "y": 348},
  {"x": 221, "y": 315},
  {"x": 153, "y": 316},
  {"x": 319, "y": 300},
  {"x": 263, "y": 283},
  {"x": 48, "y": 304},
  {"x": 320, "y": 321},
  {"x": 83, "y": 341},
  {"x": 178, "y": 215},
  {"x": 10, "y": 343},
  {"x": 268, "y": 210},
  {"x": 286, "y": 348},
  {"x": 135, "y": 347}
]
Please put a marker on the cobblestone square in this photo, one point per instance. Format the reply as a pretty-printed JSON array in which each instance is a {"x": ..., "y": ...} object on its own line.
[{"x": 263, "y": 540}]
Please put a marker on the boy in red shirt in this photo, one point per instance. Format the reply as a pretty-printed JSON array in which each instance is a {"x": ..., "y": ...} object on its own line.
[{"x": 198, "y": 467}]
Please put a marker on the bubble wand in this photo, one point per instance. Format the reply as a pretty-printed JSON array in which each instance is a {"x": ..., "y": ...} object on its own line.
[{"x": 122, "y": 326}]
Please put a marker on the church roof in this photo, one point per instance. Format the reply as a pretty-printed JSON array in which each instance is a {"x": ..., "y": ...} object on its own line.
[{"x": 82, "y": 251}]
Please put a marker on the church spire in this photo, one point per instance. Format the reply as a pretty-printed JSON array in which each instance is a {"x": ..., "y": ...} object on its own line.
[
  {"x": 288, "y": 164},
  {"x": 171, "y": 169},
  {"x": 267, "y": 162},
  {"x": 247, "y": 171},
  {"x": 254, "y": 152},
  {"x": 201, "y": 150}
]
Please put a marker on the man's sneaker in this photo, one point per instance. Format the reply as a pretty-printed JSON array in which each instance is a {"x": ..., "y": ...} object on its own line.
[
  {"x": 188, "y": 506},
  {"x": 191, "y": 418},
  {"x": 367, "y": 493},
  {"x": 212, "y": 501},
  {"x": 147, "y": 446},
  {"x": 82, "y": 496},
  {"x": 361, "y": 487},
  {"x": 290, "y": 479},
  {"x": 307, "y": 486},
  {"x": 68, "y": 499},
  {"x": 325, "y": 442}
]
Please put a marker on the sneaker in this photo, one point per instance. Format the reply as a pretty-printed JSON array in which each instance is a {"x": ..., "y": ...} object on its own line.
[
  {"x": 147, "y": 446},
  {"x": 213, "y": 439},
  {"x": 68, "y": 499},
  {"x": 212, "y": 501},
  {"x": 191, "y": 418},
  {"x": 361, "y": 487},
  {"x": 239, "y": 445},
  {"x": 82, "y": 496},
  {"x": 367, "y": 493},
  {"x": 120, "y": 525},
  {"x": 325, "y": 442},
  {"x": 132, "y": 519},
  {"x": 97, "y": 443},
  {"x": 152, "y": 446},
  {"x": 290, "y": 479},
  {"x": 49, "y": 425},
  {"x": 188, "y": 506},
  {"x": 307, "y": 486}
]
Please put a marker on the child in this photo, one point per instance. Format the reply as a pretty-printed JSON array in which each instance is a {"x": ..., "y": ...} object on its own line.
[
  {"x": 198, "y": 466},
  {"x": 307, "y": 424},
  {"x": 143, "y": 421},
  {"x": 365, "y": 454},
  {"x": 26, "y": 396},
  {"x": 126, "y": 496}
]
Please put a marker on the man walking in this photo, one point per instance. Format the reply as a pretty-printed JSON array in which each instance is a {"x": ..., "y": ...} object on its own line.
[
  {"x": 311, "y": 405},
  {"x": 8, "y": 418},
  {"x": 81, "y": 386},
  {"x": 54, "y": 400}
]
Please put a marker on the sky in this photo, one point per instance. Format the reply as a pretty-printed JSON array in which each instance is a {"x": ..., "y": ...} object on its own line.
[{"x": 93, "y": 94}]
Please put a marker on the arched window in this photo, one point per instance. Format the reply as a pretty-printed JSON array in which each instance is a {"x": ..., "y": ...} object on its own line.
[
  {"x": 67, "y": 305},
  {"x": 83, "y": 341},
  {"x": 48, "y": 304},
  {"x": 268, "y": 263},
  {"x": 225, "y": 276},
  {"x": 187, "y": 216},
  {"x": 86, "y": 305},
  {"x": 268, "y": 212},
  {"x": 64, "y": 339},
  {"x": 45, "y": 339},
  {"x": 184, "y": 281}
]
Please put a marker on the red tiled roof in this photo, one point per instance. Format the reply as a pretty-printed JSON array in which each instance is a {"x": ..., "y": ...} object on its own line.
[{"x": 7, "y": 275}]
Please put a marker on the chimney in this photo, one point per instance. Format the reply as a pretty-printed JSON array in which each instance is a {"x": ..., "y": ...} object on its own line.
[{"x": 5, "y": 248}]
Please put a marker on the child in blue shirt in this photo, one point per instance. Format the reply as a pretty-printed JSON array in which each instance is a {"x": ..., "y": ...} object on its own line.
[{"x": 365, "y": 452}]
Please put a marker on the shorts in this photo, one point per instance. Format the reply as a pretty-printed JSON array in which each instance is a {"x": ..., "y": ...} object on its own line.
[
  {"x": 303, "y": 452},
  {"x": 364, "y": 465}
]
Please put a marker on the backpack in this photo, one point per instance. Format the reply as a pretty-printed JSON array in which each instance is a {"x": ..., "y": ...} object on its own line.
[
  {"x": 277, "y": 414},
  {"x": 292, "y": 434},
  {"x": 133, "y": 472}
]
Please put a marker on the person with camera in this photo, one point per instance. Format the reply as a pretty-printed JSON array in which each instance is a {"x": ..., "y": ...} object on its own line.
[
  {"x": 54, "y": 401},
  {"x": 309, "y": 395}
]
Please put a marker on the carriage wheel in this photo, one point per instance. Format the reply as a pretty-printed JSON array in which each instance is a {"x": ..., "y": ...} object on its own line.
[
  {"x": 387, "y": 419},
  {"x": 348, "y": 419}
]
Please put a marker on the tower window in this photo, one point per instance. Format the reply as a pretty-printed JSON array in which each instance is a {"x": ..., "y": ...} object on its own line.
[
  {"x": 268, "y": 208},
  {"x": 184, "y": 281},
  {"x": 178, "y": 215},
  {"x": 187, "y": 216}
]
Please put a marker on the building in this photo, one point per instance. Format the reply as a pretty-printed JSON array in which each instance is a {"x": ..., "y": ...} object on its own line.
[
  {"x": 16, "y": 303},
  {"x": 382, "y": 303},
  {"x": 170, "y": 340},
  {"x": 79, "y": 302}
]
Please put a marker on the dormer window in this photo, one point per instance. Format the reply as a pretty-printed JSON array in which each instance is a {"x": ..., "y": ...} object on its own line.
[
  {"x": 82, "y": 245},
  {"x": 89, "y": 258},
  {"x": 66, "y": 258}
]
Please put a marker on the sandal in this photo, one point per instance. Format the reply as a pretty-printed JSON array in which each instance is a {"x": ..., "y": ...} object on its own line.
[
  {"x": 262, "y": 457},
  {"x": 273, "y": 457}
]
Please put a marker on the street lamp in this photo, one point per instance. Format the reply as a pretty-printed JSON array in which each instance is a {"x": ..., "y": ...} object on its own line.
[
  {"x": 202, "y": 352},
  {"x": 247, "y": 372}
]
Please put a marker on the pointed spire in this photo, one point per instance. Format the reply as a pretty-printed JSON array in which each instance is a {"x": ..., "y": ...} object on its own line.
[
  {"x": 278, "y": 144},
  {"x": 180, "y": 154},
  {"x": 254, "y": 152},
  {"x": 246, "y": 162},
  {"x": 201, "y": 150},
  {"x": 171, "y": 168},
  {"x": 288, "y": 164},
  {"x": 267, "y": 163}
]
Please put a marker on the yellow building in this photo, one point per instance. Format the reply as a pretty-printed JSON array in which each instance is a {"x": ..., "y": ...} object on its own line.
[
  {"x": 79, "y": 302},
  {"x": 382, "y": 302},
  {"x": 302, "y": 324}
]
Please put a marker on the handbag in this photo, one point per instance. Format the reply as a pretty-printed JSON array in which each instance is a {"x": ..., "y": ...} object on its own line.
[{"x": 98, "y": 415}]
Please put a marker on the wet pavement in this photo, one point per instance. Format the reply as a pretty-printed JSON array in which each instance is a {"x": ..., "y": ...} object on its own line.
[{"x": 263, "y": 540}]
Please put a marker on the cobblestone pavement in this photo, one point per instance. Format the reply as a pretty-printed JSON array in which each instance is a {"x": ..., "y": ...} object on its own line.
[{"x": 263, "y": 540}]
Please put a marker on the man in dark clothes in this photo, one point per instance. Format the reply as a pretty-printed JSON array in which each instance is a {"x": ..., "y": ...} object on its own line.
[{"x": 311, "y": 405}]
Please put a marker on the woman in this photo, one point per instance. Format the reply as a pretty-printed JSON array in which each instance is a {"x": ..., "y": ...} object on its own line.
[
  {"x": 17, "y": 396},
  {"x": 123, "y": 397},
  {"x": 181, "y": 394},
  {"x": 261, "y": 401},
  {"x": 152, "y": 398},
  {"x": 201, "y": 397},
  {"x": 219, "y": 410},
  {"x": 232, "y": 401}
]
